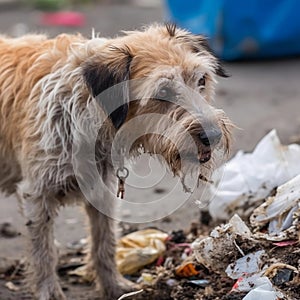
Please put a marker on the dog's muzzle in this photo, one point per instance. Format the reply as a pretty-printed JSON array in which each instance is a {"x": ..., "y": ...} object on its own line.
[{"x": 208, "y": 139}]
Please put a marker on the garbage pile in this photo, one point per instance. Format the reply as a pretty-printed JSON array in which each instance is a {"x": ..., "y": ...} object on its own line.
[
  {"x": 258, "y": 260},
  {"x": 250, "y": 250},
  {"x": 255, "y": 253}
]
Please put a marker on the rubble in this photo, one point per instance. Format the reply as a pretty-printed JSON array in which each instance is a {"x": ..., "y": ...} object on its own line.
[
  {"x": 233, "y": 238},
  {"x": 262, "y": 271}
]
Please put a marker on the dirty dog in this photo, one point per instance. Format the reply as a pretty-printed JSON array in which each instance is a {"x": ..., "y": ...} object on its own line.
[{"x": 46, "y": 84}]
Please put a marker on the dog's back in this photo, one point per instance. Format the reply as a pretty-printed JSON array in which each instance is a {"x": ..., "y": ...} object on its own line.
[{"x": 24, "y": 62}]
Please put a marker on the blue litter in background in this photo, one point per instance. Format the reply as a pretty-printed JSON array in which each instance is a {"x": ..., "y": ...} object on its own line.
[{"x": 242, "y": 30}]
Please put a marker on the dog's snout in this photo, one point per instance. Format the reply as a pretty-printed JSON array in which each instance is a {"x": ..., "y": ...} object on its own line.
[{"x": 210, "y": 137}]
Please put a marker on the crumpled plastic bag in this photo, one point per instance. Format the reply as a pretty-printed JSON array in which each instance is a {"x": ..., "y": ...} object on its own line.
[
  {"x": 250, "y": 177},
  {"x": 280, "y": 213},
  {"x": 139, "y": 249}
]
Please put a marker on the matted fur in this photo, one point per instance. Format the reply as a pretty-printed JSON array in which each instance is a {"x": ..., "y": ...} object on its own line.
[{"x": 46, "y": 84}]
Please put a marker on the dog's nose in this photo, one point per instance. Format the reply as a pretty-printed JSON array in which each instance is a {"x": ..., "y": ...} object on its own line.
[{"x": 210, "y": 137}]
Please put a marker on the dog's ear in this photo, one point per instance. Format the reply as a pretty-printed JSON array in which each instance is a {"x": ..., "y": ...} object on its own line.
[
  {"x": 198, "y": 44},
  {"x": 104, "y": 75}
]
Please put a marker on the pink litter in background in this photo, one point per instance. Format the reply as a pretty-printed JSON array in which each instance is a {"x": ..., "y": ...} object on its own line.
[
  {"x": 63, "y": 18},
  {"x": 160, "y": 261},
  {"x": 285, "y": 243}
]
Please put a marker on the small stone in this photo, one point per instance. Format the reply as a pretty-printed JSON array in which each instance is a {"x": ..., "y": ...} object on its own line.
[
  {"x": 171, "y": 282},
  {"x": 7, "y": 230},
  {"x": 159, "y": 190},
  {"x": 282, "y": 276}
]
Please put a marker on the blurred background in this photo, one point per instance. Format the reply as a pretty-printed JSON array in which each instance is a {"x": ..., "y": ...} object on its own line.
[{"x": 258, "y": 41}]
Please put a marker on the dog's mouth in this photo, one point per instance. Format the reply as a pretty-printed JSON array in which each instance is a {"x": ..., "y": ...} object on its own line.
[{"x": 202, "y": 157}]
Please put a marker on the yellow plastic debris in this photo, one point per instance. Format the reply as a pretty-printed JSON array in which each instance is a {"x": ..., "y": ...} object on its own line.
[
  {"x": 139, "y": 249},
  {"x": 186, "y": 270}
]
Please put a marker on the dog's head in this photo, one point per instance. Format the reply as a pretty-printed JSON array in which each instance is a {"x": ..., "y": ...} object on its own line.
[{"x": 170, "y": 79}]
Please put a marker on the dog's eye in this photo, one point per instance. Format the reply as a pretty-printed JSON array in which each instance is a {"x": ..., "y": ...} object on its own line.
[
  {"x": 202, "y": 81},
  {"x": 165, "y": 93}
]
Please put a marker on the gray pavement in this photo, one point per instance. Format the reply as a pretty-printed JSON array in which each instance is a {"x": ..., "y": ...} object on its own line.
[{"x": 258, "y": 97}]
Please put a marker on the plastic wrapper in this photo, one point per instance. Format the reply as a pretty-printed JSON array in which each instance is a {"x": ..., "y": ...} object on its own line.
[
  {"x": 248, "y": 282},
  {"x": 187, "y": 269},
  {"x": 248, "y": 264},
  {"x": 262, "y": 292},
  {"x": 250, "y": 177},
  {"x": 139, "y": 249}
]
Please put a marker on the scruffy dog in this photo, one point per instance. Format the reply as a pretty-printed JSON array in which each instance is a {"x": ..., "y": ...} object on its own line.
[{"x": 46, "y": 86}]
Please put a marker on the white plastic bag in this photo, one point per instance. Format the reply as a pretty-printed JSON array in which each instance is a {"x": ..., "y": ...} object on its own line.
[{"x": 250, "y": 177}]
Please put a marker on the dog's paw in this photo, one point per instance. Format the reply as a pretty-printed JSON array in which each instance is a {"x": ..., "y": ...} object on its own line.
[
  {"x": 50, "y": 292},
  {"x": 124, "y": 286}
]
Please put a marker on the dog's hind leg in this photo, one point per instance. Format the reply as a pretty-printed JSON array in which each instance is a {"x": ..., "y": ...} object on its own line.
[{"x": 39, "y": 213}]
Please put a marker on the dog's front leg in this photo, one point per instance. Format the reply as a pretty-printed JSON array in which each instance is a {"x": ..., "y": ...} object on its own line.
[
  {"x": 39, "y": 213},
  {"x": 102, "y": 252}
]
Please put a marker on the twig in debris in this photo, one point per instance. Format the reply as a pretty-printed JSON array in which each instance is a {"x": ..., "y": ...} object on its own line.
[
  {"x": 130, "y": 294},
  {"x": 239, "y": 248},
  {"x": 279, "y": 265}
]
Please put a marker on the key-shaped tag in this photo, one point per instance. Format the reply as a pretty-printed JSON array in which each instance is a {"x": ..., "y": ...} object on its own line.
[
  {"x": 121, "y": 188},
  {"x": 122, "y": 174}
]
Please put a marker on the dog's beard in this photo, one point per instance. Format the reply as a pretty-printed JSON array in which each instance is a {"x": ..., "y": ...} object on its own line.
[{"x": 184, "y": 161}]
